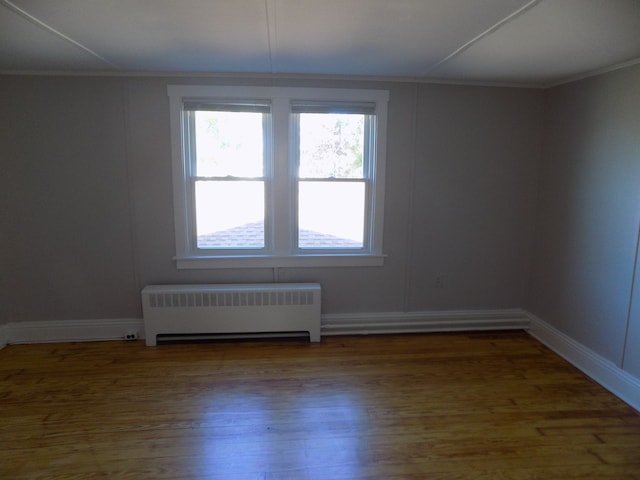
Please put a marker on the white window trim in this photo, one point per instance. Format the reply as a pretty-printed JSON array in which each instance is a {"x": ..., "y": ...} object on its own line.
[{"x": 280, "y": 97}]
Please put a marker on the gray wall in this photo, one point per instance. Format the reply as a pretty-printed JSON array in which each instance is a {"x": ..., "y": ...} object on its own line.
[
  {"x": 66, "y": 246},
  {"x": 589, "y": 213},
  {"x": 87, "y": 211},
  {"x": 475, "y": 184}
]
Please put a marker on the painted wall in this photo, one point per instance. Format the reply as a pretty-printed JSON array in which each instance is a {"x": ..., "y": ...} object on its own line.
[
  {"x": 589, "y": 213},
  {"x": 88, "y": 210},
  {"x": 475, "y": 184},
  {"x": 65, "y": 246}
]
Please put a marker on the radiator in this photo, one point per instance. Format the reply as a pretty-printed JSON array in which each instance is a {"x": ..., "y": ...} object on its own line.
[{"x": 231, "y": 309}]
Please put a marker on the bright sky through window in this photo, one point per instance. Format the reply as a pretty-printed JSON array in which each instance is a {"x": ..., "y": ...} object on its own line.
[
  {"x": 331, "y": 153},
  {"x": 229, "y": 152}
]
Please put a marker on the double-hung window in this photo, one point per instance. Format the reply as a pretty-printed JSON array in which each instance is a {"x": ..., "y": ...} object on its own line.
[{"x": 277, "y": 177}]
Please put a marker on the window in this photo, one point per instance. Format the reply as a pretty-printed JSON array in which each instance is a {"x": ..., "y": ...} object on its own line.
[{"x": 270, "y": 177}]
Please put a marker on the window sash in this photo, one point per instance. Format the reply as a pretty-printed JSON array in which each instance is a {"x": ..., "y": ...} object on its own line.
[
  {"x": 252, "y": 224},
  {"x": 191, "y": 148},
  {"x": 189, "y": 111},
  {"x": 365, "y": 218},
  {"x": 370, "y": 135},
  {"x": 368, "y": 166}
]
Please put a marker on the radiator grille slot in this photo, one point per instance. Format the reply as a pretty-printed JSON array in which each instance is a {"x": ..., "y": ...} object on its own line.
[{"x": 229, "y": 299}]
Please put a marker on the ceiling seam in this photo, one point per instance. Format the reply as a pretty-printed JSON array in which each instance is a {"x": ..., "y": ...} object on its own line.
[
  {"x": 593, "y": 73},
  {"x": 484, "y": 34},
  {"x": 27, "y": 16},
  {"x": 271, "y": 32}
]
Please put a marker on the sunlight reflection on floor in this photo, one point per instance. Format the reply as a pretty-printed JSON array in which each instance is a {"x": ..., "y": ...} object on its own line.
[{"x": 316, "y": 431}]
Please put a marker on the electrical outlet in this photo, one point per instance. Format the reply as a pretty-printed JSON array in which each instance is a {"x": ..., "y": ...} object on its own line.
[
  {"x": 131, "y": 336},
  {"x": 439, "y": 281}
]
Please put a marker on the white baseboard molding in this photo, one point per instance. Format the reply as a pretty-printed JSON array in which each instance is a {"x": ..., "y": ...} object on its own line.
[
  {"x": 422, "y": 322},
  {"x": 606, "y": 373},
  {"x": 56, "y": 331}
]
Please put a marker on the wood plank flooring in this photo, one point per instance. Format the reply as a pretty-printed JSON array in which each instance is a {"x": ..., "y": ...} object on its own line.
[{"x": 439, "y": 406}]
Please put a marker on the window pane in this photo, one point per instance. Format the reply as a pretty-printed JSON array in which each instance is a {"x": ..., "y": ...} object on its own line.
[
  {"x": 331, "y": 214},
  {"x": 331, "y": 145},
  {"x": 230, "y": 214},
  {"x": 229, "y": 143}
]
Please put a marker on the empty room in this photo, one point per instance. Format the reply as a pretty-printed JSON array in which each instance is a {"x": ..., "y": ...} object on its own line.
[{"x": 340, "y": 239}]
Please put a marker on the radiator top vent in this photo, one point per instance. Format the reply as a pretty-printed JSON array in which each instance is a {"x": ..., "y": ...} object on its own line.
[{"x": 230, "y": 299}]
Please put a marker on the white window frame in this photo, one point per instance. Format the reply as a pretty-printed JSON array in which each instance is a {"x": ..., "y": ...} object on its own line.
[{"x": 281, "y": 175}]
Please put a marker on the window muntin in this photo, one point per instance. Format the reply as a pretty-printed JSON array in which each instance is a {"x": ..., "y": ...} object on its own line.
[{"x": 284, "y": 193}]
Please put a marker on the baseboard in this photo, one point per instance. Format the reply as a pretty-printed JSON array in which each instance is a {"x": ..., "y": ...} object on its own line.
[
  {"x": 606, "y": 373},
  {"x": 421, "y": 322},
  {"x": 56, "y": 331}
]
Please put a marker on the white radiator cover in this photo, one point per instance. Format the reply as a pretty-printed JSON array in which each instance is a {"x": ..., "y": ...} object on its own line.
[{"x": 231, "y": 309}]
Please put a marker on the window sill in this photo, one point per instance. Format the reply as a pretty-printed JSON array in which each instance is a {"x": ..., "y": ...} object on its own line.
[{"x": 270, "y": 261}]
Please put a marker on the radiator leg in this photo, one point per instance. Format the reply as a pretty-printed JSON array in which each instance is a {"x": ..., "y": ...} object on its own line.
[
  {"x": 314, "y": 335},
  {"x": 150, "y": 340}
]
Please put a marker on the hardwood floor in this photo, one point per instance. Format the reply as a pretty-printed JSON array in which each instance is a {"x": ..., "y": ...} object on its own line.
[{"x": 458, "y": 406}]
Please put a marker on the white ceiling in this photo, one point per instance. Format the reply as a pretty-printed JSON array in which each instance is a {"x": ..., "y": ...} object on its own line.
[{"x": 528, "y": 42}]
